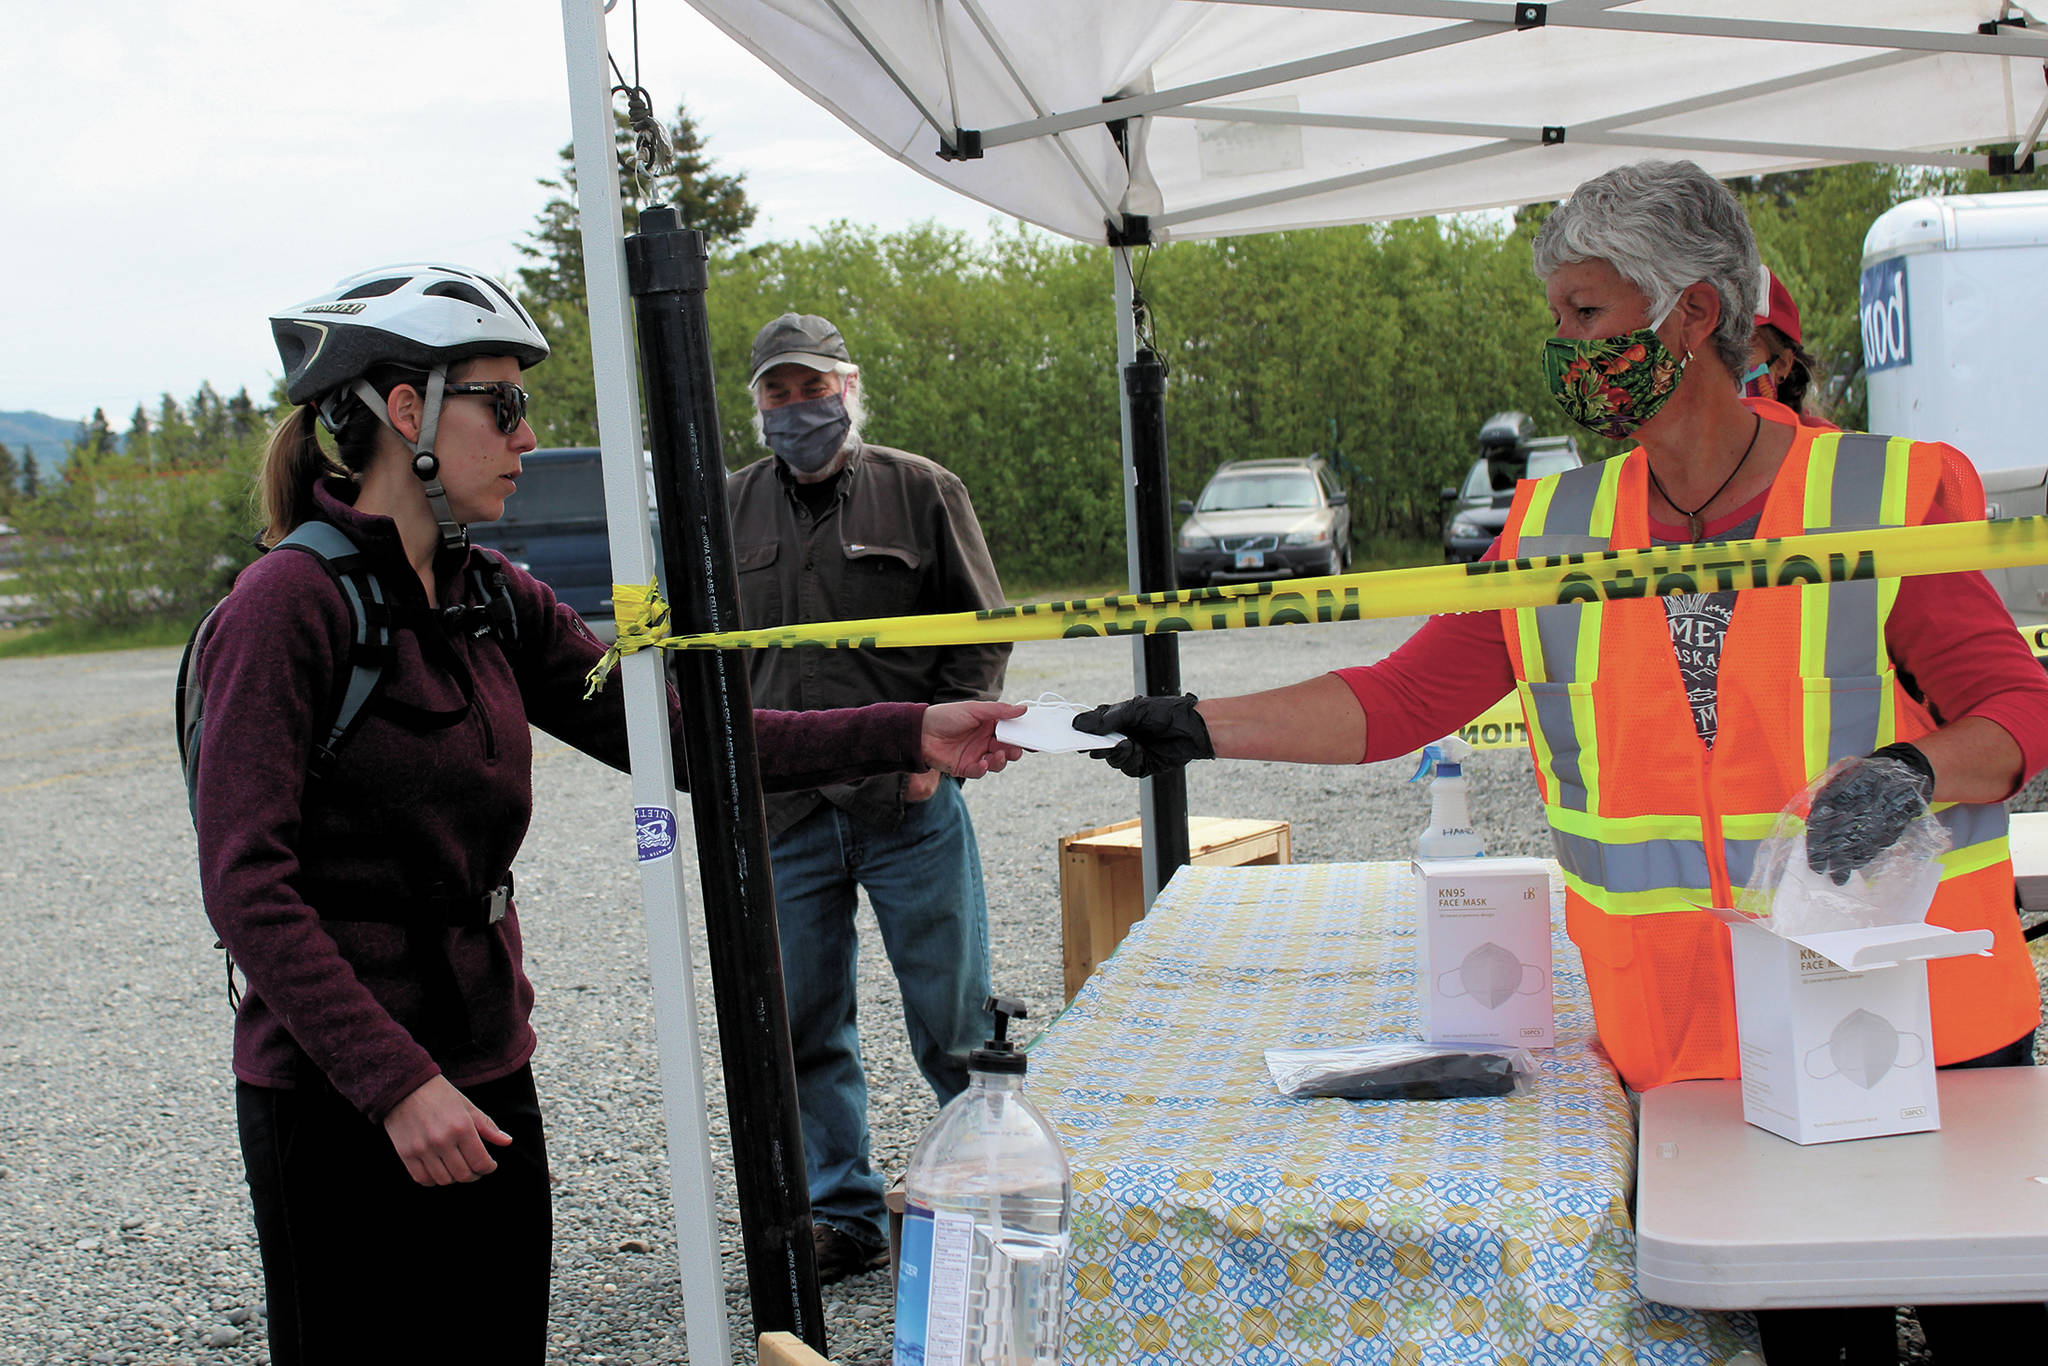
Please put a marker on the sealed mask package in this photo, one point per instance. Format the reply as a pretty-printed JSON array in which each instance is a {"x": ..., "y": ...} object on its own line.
[{"x": 1404, "y": 1071}]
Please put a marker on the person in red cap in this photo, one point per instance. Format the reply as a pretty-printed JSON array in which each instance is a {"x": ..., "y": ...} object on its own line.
[{"x": 1780, "y": 369}]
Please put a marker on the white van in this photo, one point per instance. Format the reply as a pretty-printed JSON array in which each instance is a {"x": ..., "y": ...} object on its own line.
[{"x": 1955, "y": 339}]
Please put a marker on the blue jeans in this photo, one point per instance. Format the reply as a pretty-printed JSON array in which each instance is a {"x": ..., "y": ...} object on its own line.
[{"x": 924, "y": 881}]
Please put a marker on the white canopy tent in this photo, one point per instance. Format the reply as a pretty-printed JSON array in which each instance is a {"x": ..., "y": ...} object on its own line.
[
  {"x": 1256, "y": 116},
  {"x": 1125, "y": 121}
]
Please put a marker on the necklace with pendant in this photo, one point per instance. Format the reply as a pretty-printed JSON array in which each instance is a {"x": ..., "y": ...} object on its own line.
[{"x": 1693, "y": 523}]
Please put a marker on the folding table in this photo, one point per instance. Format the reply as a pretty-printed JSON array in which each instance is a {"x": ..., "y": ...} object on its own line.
[{"x": 1731, "y": 1217}]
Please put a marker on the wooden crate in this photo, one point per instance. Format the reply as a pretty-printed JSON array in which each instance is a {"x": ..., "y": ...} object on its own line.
[
  {"x": 1102, "y": 882},
  {"x": 787, "y": 1349}
]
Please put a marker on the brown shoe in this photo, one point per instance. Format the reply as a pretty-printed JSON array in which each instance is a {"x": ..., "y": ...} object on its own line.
[{"x": 840, "y": 1254}]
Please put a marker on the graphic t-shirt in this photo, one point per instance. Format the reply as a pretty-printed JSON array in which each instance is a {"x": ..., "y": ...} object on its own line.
[{"x": 1699, "y": 627}]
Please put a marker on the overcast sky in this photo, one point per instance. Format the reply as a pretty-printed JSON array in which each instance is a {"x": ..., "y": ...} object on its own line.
[{"x": 172, "y": 173}]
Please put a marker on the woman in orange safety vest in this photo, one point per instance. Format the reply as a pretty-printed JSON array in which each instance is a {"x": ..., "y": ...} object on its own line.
[{"x": 1668, "y": 732}]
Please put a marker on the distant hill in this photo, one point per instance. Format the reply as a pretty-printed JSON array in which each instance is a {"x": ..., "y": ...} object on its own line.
[{"x": 39, "y": 432}]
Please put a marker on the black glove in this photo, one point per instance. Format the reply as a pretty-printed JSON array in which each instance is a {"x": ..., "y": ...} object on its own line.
[
  {"x": 1865, "y": 807},
  {"x": 1159, "y": 733}
]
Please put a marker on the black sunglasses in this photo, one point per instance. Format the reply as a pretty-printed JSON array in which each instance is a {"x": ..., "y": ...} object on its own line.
[{"x": 507, "y": 398}]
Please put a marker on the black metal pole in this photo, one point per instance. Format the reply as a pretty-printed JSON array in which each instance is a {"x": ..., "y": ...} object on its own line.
[
  {"x": 1145, "y": 386},
  {"x": 667, "y": 273}
]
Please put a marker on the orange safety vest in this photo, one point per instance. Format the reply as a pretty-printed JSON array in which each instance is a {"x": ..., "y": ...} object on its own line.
[{"x": 1649, "y": 823}]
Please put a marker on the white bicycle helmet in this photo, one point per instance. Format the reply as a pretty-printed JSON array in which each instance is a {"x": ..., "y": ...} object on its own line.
[{"x": 423, "y": 316}]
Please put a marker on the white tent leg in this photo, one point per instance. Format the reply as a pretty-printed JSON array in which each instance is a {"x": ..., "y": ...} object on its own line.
[
  {"x": 683, "y": 1101},
  {"x": 1126, "y": 352}
]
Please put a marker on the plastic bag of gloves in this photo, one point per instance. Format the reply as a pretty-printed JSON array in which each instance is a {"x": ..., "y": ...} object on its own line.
[
  {"x": 1894, "y": 888},
  {"x": 1403, "y": 1071}
]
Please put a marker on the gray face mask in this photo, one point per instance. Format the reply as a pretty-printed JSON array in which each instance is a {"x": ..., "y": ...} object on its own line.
[
  {"x": 1489, "y": 975},
  {"x": 808, "y": 434},
  {"x": 1863, "y": 1048}
]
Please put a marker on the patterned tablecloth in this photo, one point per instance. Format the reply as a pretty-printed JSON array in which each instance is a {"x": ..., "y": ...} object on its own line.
[{"x": 1217, "y": 1221}]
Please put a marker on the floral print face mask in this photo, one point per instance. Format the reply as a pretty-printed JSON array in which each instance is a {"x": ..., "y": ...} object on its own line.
[{"x": 1612, "y": 385}]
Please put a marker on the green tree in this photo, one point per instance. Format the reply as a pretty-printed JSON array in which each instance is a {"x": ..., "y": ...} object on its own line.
[
  {"x": 137, "y": 442},
  {"x": 715, "y": 204},
  {"x": 159, "y": 527},
  {"x": 31, "y": 475},
  {"x": 10, "y": 480},
  {"x": 564, "y": 392},
  {"x": 1382, "y": 348}
]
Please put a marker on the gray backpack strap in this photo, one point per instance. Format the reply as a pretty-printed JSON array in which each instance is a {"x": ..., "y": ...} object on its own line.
[{"x": 369, "y": 612}]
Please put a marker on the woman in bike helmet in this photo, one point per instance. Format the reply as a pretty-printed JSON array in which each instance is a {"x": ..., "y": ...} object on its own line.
[{"x": 362, "y": 881}]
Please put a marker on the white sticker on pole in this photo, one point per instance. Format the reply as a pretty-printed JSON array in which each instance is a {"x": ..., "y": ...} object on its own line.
[
  {"x": 654, "y": 829},
  {"x": 936, "y": 1262}
]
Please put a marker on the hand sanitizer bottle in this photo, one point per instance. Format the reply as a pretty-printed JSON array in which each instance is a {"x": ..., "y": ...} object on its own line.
[
  {"x": 1449, "y": 833},
  {"x": 982, "y": 1276}
]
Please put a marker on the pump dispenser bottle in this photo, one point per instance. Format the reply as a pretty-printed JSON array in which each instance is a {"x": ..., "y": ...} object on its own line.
[
  {"x": 1449, "y": 833},
  {"x": 982, "y": 1277}
]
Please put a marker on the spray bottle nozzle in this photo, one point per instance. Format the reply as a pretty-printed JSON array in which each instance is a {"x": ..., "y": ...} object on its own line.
[{"x": 1450, "y": 753}]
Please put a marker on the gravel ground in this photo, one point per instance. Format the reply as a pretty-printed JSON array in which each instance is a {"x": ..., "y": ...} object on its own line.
[{"x": 124, "y": 1227}]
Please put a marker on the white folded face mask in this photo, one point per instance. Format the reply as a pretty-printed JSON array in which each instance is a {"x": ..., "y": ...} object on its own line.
[
  {"x": 1863, "y": 1048},
  {"x": 1491, "y": 976},
  {"x": 1047, "y": 726}
]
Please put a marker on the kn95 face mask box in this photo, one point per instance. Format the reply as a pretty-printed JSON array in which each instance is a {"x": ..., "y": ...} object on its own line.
[
  {"x": 1484, "y": 949},
  {"x": 1835, "y": 1036}
]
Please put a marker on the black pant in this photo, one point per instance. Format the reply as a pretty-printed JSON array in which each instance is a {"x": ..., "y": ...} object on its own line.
[
  {"x": 1956, "y": 1333},
  {"x": 360, "y": 1263}
]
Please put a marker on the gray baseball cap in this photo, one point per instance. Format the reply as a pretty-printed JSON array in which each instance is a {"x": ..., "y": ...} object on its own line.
[{"x": 798, "y": 339}]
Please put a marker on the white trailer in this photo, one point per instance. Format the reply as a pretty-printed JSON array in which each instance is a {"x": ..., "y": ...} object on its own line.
[{"x": 1955, "y": 347}]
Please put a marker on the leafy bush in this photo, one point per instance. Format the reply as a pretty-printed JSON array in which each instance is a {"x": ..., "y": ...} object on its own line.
[{"x": 117, "y": 543}]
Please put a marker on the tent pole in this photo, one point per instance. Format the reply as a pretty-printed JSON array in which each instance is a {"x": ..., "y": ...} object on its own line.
[
  {"x": 1145, "y": 408},
  {"x": 668, "y": 272},
  {"x": 1126, "y": 352},
  {"x": 692, "y": 1191},
  {"x": 1148, "y": 527}
]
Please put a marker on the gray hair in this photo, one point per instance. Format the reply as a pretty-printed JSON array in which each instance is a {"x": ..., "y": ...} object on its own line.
[
  {"x": 856, "y": 400},
  {"x": 1663, "y": 225}
]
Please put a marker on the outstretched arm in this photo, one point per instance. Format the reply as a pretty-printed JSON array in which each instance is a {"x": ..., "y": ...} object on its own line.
[
  {"x": 960, "y": 738},
  {"x": 1316, "y": 721}
]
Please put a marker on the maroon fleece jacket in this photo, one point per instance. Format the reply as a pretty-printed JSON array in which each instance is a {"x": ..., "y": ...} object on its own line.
[{"x": 411, "y": 808}]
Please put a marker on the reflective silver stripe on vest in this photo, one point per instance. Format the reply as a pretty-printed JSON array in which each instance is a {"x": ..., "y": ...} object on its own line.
[
  {"x": 1548, "y": 546},
  {"x": 1854, "y": 649},
  {"x": 1557, "y": 635},
  {"x": 1572, "y": 500},
  {"x": 1554, "y": 719},
  {"x": 1974, "y": 823},
  {"x": 1858, "y": 493},
  {"x": 1741, "y": 857},
  {"x": 1646, "y": 866},
  {"x": 1567, "y": 530}
]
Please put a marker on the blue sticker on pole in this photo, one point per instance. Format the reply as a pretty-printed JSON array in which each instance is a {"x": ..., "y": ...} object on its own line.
[
  {"x": 1887, "y": 337},
  {"x": 655, "y": 829}
]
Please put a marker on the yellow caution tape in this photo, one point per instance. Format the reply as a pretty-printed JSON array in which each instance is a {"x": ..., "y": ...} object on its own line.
[
  {"x": 1606, "y": 576},
  {"x": 1500, "y": 726},
  {"x": 641, "y": 617}
]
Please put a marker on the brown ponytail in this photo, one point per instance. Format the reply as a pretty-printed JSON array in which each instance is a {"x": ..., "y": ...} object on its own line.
[
  {"x": 295, "y": 460},
  {"x": 292, "y": 463}
]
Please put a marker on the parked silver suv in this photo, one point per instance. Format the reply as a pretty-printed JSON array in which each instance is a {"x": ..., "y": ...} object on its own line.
[{"x": 1264, "y": 519}]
